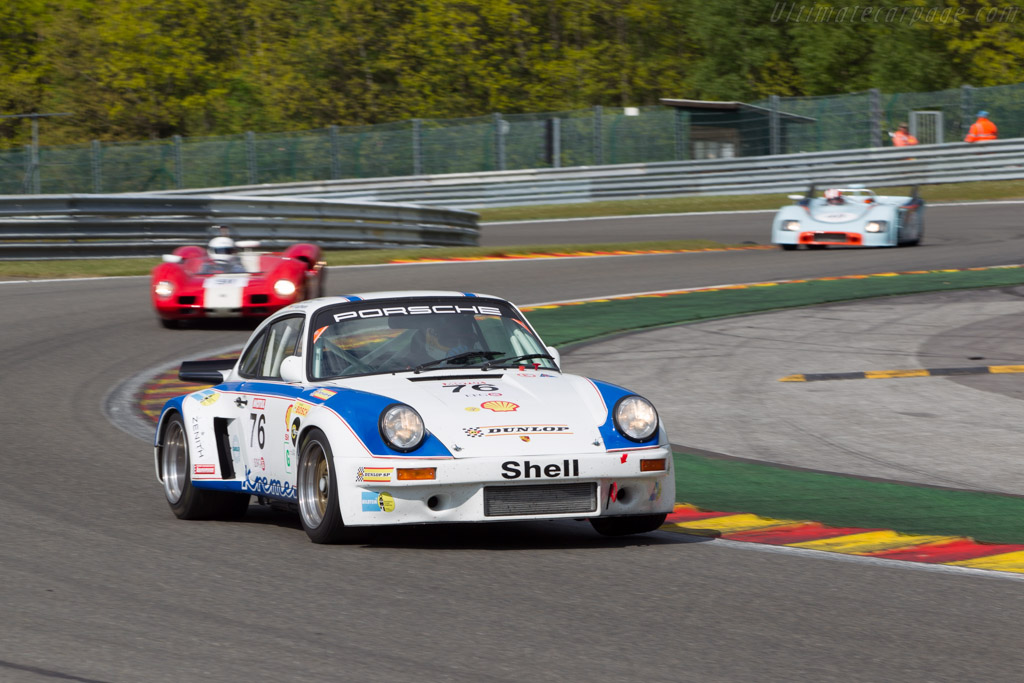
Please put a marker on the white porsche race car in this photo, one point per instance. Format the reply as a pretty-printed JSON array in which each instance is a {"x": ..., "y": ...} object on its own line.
[
  {"x": 406, "y": 408},
  {"x": 851, "y": 216}
]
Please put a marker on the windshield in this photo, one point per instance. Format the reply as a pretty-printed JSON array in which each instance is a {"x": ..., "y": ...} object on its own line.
[{"x": 421, "y": 335}]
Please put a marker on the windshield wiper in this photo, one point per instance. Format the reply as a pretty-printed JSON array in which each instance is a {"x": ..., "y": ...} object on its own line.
[
  {"x": 464, "y": 357},
  {"x": 515, "y": 359}
]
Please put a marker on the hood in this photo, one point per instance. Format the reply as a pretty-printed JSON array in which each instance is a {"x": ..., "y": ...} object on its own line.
[
  {"x": 824, "y": 212},
  {"x": 501, "y": 412}
]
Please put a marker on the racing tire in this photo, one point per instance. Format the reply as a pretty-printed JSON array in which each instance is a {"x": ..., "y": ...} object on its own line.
[
  {"x": 317, "y": 489},
  {"x": 170, "y": 324},
  {"x": 817, "y": 246},
  {"x": 626, "y": 526},
  {"x": 788, "y": 247},
  {"x": 186, "y": 501}
]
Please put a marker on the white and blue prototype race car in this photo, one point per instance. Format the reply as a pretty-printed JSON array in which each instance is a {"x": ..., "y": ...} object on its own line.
[
  {"x": 852, "y": 216},
  {"x": 406, "y": 408}
]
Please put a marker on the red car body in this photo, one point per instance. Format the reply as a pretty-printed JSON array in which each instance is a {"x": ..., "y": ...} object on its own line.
[{"x": 190, "y": 285}]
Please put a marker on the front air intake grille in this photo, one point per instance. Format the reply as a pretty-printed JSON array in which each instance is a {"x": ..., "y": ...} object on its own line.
[
  {"x": 186, "y": 300},
  {"x": 831, "y": 237},
  {"x": 259, "y": 298},
  {"x": 540, "y": 499}
]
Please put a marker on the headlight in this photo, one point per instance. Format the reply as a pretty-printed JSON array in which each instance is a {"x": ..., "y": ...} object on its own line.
[
  {"x": 791, "y": 225},
  {"x": 401, "y": 427},
  {"x": 284, "y": 287},
  {"x": 636, "y": 418},
  {"x": 875, "y": 226},
  {"x": 164, "y": 289}
]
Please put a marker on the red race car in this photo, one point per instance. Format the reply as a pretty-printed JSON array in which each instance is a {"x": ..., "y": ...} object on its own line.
[{"x": 231, "y": 279}]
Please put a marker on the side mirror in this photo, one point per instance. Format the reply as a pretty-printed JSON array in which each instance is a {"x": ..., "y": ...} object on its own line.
[
  {"x": 292, "y": 369},
  {"x": 557, "y": 356},
  {"x": 172, "y": 258}
]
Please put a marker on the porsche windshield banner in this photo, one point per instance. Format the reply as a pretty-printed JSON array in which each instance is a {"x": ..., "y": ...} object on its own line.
[{"x": 416, "y": 309}]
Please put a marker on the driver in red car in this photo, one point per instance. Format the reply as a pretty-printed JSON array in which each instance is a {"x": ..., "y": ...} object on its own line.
[{"x": 223, "y": 252}]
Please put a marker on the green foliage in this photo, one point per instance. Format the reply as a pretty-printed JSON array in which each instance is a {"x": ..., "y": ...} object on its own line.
[{"x": 136, "y": 69}]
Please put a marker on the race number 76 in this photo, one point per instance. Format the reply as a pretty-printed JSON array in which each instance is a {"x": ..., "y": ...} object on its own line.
[{"x": 258, "y": 421}]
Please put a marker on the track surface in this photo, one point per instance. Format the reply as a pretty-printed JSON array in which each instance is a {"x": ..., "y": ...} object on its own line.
[{"x": 103, "y": 584}]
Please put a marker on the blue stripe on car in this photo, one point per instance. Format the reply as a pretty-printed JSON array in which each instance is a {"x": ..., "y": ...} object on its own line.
[{"x": 613, "y": 439}]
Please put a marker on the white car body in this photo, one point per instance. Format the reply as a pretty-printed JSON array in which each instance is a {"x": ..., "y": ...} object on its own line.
[
  {"x": 862, "y": 219},
  {"x": 493, "y": 435}
]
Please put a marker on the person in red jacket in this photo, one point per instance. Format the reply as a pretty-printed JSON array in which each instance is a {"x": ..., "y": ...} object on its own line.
[
  {"x": 902, "y": 137},
  {"x": 982, "y": 129}
]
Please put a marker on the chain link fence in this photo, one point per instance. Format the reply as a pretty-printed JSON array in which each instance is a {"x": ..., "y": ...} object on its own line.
[{"x": 589, "y": 137}]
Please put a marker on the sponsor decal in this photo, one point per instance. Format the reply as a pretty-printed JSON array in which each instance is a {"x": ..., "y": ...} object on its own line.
[
  {"x": 378, "y": 502},
  {"x": 524, "y": 439},
  {"x": 206, "y": 397},
  {"x": 296, "y": 424},
  {"x": 316, "y": 335},
  {"x": 288, "y": 417},
  {"x": 513, "y": 469},
  {"x": 204, "y": 469},
  {"x": 374, "y": 473},
  {"x": 259, "y": 403},
  {"x": 500, "y": 406},
  {"x": 288, "y": 459},
  {"x": 259, "y": 463},
  {"x": 472, "y": 409},
  {"x": 389, "y": 311},
  {"x": 656, "y": 492},
  {"x": 323, "y": 393},
  {"x": 623, "y": 458},
  {"x": 517, "y": 430},
  {"x": 544, "y": 374},
  {"x": 267, "y": 486},
  {"x": 198, "y": 437},
  {"x": 613, "y": 493},
  {"x": 302, "y": 409}
]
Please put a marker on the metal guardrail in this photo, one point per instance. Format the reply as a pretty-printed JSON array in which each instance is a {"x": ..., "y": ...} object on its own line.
[
  {"x": 94, "y": 226},
  {"x": 876, "y": 167}
]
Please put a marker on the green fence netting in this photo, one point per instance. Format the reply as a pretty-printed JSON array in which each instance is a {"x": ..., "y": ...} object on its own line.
[{"x": 587, "y": 137}]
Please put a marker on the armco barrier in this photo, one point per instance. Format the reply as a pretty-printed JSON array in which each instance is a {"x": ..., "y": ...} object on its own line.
[
  {"x": 92, "y": 226},
  {"x": 874, "y": 167}
]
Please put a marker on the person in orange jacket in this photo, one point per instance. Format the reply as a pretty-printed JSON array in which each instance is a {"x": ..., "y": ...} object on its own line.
[
  {"x": 982, "y": 129},
  {"x": 902, "y": 137}
]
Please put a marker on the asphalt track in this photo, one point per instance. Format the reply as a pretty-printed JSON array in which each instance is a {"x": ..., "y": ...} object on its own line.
[{"x": 102, "y": 583}]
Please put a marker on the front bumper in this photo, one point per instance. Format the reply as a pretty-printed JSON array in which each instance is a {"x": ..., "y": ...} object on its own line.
[{"x": 506, "y": 489}]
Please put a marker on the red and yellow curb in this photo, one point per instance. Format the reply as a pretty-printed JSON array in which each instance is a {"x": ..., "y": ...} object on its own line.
[
  {"x": 955, "y": 551},
  {"x": 576, "y": 254},
  {"x": 695, "y": 290}
]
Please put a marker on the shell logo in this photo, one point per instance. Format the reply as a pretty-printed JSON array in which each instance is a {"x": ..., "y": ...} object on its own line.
[{"x": 500, "y": 406}]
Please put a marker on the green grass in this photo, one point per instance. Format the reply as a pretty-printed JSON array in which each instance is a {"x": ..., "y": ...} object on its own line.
[
  {"x": 142, "y": 266},
  {"x": 728, "y": 485},
  {"x": 948, "y": 192}
]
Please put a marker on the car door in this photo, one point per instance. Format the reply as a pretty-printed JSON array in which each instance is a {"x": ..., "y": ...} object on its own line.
[{"x": 266, "y": 407}]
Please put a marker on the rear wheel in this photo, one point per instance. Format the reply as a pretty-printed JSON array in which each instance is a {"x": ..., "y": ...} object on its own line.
[
  {"x": 317, "y": 488},
  {"x": 186, "y": 501},
  {"x": 625, "y": 526},
  {"x": 788, "y": 247},
  {"x": 169, "y": 324}
]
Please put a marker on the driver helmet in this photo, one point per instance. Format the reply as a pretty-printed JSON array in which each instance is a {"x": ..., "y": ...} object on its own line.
[
  {"x": 445, "y": 341},
  {"x": 834, "y": 196},
  {"x": 221, "y": 249}
]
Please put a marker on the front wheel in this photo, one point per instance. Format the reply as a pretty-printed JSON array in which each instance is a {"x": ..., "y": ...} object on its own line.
[
  {"x": 317, "y": 488},
  {"x": 186, "y": 501},
  {"x": 788, "y": 247},
  {"x": 625, "y": 526}
]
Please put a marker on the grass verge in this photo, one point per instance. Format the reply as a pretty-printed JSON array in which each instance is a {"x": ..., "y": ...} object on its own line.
[
  {"x": 947, "y": 192},
  {"x": 838, "y": 500},
  {"x": 142, "y": 266}
]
